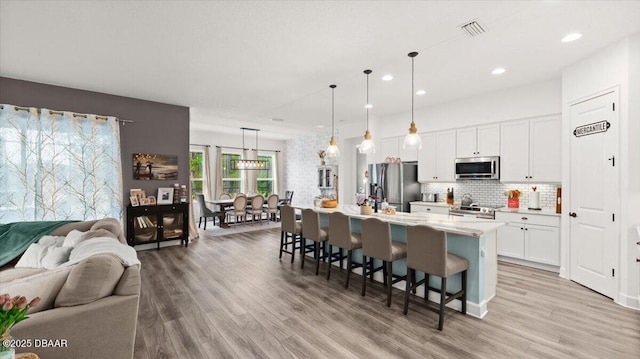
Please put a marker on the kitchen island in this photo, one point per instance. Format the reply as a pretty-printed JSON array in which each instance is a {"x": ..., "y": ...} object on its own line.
[{"x": 471, "y": 238}]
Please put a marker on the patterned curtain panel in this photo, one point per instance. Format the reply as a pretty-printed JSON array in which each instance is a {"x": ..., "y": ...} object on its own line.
[{"x": 58, "y": 165}]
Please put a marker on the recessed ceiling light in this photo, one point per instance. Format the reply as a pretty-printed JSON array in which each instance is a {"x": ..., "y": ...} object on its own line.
[
  {"x": 498, "y": 71},
  {"x": 277, "y": 120},
  {"x": 368, "y": 105},
  {"x": 387, "y": 78},
  {"x": 421, "y": 92},
  {"x": 571, "y": 37},
  {"x": 320, "y": 126}
]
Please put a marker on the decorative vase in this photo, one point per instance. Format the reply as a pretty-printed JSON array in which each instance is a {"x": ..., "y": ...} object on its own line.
[
  {"x": 6, "y": 352},
  {"x": 366, "y": 210},
  {"x": 513, "y": 202}
]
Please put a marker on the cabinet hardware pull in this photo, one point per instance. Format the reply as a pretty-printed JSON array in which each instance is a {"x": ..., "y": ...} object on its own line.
[
  {"x": 524, "y": 218},
  {"x": 521, "y": 228},
  {"x": 573, "y": 214},
  {"x": 526, "y": 229}
]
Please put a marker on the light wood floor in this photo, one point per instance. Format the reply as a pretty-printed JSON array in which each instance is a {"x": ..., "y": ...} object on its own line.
[{"x": 230, "y": 297}]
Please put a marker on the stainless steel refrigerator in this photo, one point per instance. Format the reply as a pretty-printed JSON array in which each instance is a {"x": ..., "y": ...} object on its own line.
[{"x": 399, "y": 182}]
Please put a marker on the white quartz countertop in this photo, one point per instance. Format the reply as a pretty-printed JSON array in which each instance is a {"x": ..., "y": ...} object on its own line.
[
  {"x": 467, "y": 226},
  {"x": 525, "y": 210},
  {"x": 438, "y": 204}
]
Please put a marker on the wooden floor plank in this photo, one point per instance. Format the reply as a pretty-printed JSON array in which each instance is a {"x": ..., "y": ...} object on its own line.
[{"x": 230, "y": 297}]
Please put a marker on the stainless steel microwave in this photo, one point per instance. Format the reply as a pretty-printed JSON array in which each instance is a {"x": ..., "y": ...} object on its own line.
[{"x": 478, "y": 168}]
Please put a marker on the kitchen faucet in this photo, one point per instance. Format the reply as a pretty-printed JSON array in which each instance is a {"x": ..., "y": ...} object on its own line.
[{"x": 377, "y": 199}]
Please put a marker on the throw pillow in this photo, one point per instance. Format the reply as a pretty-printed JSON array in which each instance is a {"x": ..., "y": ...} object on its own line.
[
  {"x": 52, "y": 241},
  {"x": 73, "y": 238},
  {"x": 101, "y": 232},
  {"x": 32, "y": 257},
  {"x": 55, "y": 257},
  {"x": 94, "y": 278},
  {"x": 112, "y": 225}
]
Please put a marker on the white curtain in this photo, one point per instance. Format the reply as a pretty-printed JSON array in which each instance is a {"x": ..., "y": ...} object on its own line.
[
  {"x": 250, "y": 176},
  {"x": 206, "y": 185},
  {"x": 58, "y": 165},
  {"x": 277, "y": 175},
  {"x": 218, "y": 189}
]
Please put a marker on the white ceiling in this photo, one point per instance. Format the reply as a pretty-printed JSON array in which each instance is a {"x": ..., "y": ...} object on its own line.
[{"x": 243, "y": 63}]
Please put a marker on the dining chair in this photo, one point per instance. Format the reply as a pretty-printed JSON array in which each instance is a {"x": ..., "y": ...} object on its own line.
[
  {"x": 256, "y": 208},
  {"x": 224, "y": 195},
  {"x": 288, "y": 197},
  {"x": 427, "y": 252},
  {"x": 206, "y": 213},
  {"x": 271, "y": 208},
  {"x": 239, "y": 207}
]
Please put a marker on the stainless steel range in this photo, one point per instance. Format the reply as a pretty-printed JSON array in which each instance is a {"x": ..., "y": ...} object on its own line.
[{"x": 487, "y": 212}]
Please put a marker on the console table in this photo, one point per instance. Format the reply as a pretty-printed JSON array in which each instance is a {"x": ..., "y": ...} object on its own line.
[{"x": 155, "y": 224}]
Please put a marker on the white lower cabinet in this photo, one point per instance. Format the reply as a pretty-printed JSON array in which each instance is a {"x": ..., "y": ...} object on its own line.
[
  {"x": 529, "y": 237},
  {"x": 426, "y": 207}
]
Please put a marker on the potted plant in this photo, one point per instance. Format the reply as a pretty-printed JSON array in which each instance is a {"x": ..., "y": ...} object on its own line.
[
  {"x": 12, "y": 311},
  {"x": 513, "y": 198}
]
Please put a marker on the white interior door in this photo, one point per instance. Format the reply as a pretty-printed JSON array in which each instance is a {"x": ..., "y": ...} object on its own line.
[{"x": 594, "y": 195}]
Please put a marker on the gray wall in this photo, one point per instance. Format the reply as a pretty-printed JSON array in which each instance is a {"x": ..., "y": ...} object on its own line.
[{"x": 158, "y": 128}]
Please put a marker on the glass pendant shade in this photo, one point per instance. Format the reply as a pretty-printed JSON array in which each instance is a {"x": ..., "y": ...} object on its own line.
[
  {"x": 332, "y": 150},
  {"x": 367, "y": 146},
  {"x": 413, "y": 140}
]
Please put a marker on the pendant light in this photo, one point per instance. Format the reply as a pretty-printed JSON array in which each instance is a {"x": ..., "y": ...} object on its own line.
[
  {"x": 367, "y": 146},
  {"x": 245, "y": 164},
  {"x": 332, "y": 150},
  {"x": 413, "y": 140}
]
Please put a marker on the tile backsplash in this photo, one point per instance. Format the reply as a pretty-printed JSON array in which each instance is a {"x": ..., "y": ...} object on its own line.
[{"x": 491, "y": 192}]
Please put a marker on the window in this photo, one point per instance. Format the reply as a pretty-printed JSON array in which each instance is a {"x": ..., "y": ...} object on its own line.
[
  {"x": 231, "y": 179},
  {"x": 196, "y": 170},
  {"x": 264, "y": 185}
]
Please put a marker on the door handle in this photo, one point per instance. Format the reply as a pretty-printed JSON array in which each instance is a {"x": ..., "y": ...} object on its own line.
[{"x": 573, "y": 214}]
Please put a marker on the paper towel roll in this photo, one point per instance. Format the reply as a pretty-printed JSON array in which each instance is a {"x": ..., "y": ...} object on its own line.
[{"x": 534, "y": 200}]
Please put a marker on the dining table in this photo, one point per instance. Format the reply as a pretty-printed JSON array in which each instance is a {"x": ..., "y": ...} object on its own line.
[{"x": 225, "y": 204}]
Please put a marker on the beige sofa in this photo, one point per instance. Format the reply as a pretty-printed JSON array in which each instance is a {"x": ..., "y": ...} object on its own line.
[{"x": 88, "y": 310}]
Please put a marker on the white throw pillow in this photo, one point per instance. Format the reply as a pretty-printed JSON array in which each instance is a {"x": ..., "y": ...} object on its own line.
[
  {"x": 32, "y": 257},
  {"x": 73, "y": 238},
  {"x": 55, "y": 257},
  {"x": 49, "y": 241}
]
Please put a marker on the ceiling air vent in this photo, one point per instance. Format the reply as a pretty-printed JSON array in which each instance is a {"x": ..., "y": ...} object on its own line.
[{"x": 472, "y": 28}]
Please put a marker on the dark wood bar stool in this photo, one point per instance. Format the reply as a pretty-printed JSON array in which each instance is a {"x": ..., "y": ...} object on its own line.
[
  {"x": 427, "y": 252},
  {"x": 311, "y": 230},
  {"x": 290, "y": 229},
  {"x": 340, "y": 235},
  {"x": 377, "y": 243}
]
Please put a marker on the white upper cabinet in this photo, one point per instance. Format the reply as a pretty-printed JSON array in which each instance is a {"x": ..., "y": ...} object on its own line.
[
  {"x": 427, "y": 158},
  {"x": 545, "y": 160},
  {"x": 392, "y": 147},
  {"x": 530, "y": 150},
  {"x": 479, "y": 141},
  {"x": 437, "y": 157}
]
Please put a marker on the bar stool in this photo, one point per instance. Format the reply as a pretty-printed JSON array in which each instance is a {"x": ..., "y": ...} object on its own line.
[
  {"x": 427, "y": 252},
  {"x": 311, "y": 230},
  {"x": 340, "y": 235},
  {"x": 377, "y": 243},
  {"x": 290, "y": 228}
]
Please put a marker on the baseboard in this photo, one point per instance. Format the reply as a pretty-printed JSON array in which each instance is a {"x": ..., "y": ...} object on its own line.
[
  {"x": 564, "y": 273},
  {"x": 629, "y": 301},
  {"x": 526, "y": 263}
]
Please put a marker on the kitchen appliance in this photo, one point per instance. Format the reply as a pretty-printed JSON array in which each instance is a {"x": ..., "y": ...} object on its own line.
[
  {"x": 466, "y": 200},
  {"x": 478, "y": 168},
  {"x": 399, "y": 183},
  {"x": 474, "y": 210},
  {"x": 429, "y": 197}
]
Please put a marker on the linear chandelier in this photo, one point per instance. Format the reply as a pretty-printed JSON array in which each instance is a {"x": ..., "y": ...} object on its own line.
[{"x": 249, "y": 164}]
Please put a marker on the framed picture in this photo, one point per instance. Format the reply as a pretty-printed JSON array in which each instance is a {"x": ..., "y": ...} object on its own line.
[
  {"x": 138, "y": 193},
  {"x": 144, "y": 201},
  {"x": 134, "y": 201},
  {"x": 165, "y": 195},
  {"x": 152, "y": 200},
  {"x": 155, "y": 167}
]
